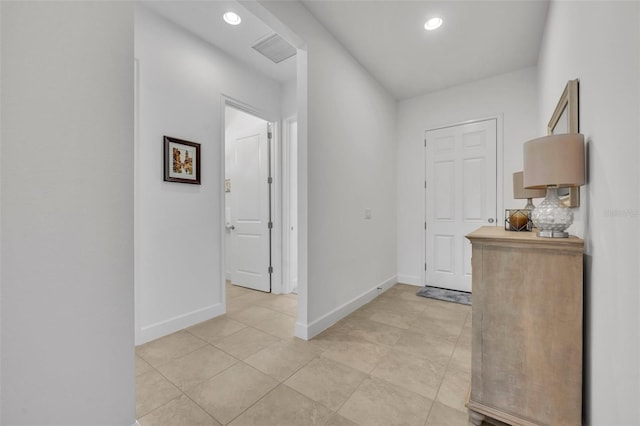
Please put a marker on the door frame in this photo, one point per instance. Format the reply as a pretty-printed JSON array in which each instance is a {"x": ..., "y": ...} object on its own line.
[
  {"x": 287, "y": 163},
  {"x": 499, "y": 177},
  {"x": 276, "y": 193}
]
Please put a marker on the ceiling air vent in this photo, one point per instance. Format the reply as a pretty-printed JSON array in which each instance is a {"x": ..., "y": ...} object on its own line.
[{"x": 275, "y": 48}]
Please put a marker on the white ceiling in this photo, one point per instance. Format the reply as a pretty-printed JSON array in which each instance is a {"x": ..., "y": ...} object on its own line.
[
  {"x": 204, "y": 19},
  {"x": 478, "y": 39}
]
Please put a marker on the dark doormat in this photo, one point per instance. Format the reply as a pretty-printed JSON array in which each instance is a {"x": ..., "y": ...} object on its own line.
[{"x": 454, "y": 296}]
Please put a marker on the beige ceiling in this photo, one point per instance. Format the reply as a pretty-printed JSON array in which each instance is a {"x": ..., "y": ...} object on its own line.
[{"x": 478, "y": 38}]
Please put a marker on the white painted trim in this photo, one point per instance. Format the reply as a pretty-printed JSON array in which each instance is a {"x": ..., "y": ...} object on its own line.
[
  {"x": 287, "y": 286},
  {"x": 276, "y": 208},
  {"x": 303, "y": 207},
  {"x": 410, "y": 279},
  {"x": 137, "y": 215},
  {"x": 318, "y": 326},
  {"x": 177, "y": 323}
]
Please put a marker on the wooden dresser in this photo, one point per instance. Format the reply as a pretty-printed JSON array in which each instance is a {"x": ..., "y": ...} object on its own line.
[{"x": 527, "y": 328}]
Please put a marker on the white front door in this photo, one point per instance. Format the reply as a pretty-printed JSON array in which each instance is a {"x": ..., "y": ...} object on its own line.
[
  {"x": 248, "y": 175},
  {"x": 460, "y": 164}
]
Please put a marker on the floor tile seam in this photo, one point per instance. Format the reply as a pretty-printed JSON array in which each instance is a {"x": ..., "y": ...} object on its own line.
[
  {"x": 271, "y": 334},
  {"x": 138, "y": 417},
  {"x": 189, "y": 353},
  {"x": 201, "y": 407},
  {"x": 310, "y": 399},
  {"x": 223, "y": 337},
  {"x": 413, "y": 354},
  {"x": 170, "y": 382},
  {"x": 373, "y": 342},
  {"x": 205, "y": 380},
  {"x": 212, "y": 414},
  {"x": 459, "y": 337},
  {"x": 267, "y": 304},
  {"x": 290, "y": 375},
  {"x": 419, "y": 355},
  {"x": 444, "y": 375},
  {"x": 347, "y": 365},
  {"x": 349, "y": 328},
  {"x": 403, "y": 386},
  {"x": 175, "y": 358},
  {"x": 253, "y": 353},
  {"x": 366, "y": 376},
  {"x": 392, "y": 385},
  {"x": 254, "y": 306},
  {"x": 386, "y": 323},
  {"x": 379, "y": 322},
  {"x": 255, "y": 402}
]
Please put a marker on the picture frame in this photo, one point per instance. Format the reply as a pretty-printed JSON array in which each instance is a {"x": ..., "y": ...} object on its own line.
[
  {"x": 565, "y": 119},
  {"x": 181, "y": 161}
]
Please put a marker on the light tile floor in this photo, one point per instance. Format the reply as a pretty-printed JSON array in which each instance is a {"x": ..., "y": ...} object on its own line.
[{"x": 400, "y": 360}]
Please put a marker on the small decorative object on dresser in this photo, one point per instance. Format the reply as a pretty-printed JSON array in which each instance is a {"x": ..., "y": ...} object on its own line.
[
  {"x": 518, "y": 220},
  {"x": 526, "y": 344}
]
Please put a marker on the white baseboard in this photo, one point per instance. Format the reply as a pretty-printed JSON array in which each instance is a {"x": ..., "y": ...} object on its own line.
[
  {"x": 318, "y": 326},
  {"x": 302, "y": 331},
  {"x": 136, "y": 423},
  {"x": 171, "y": 325},
  {"x": 410, "y": 279}
]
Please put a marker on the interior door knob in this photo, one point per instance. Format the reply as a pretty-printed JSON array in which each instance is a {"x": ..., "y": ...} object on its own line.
[{"x": 490, "y": 220}]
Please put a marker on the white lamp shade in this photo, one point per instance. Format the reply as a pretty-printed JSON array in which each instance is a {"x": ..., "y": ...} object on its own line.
[
  {"x": 520, "y": 192},
  {"x": 555, "y": 160}
]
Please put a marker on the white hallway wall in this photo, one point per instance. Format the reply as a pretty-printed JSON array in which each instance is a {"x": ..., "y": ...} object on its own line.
[
  {"x": 512, "y": 96},
  {"x": 178, "y": 226},
  {"x": 346, "y": 139},
  {"x": 67, "y": 214},
  {"x": 599, "y": 43}
]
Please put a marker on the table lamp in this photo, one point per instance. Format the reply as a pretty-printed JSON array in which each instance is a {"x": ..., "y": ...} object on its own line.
[
  {"x": 552, "y": 162},
  {"x": 520, "y": 192}
]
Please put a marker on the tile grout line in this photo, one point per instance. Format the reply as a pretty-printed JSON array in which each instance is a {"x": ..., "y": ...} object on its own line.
[{"x": 447, "y": 367}]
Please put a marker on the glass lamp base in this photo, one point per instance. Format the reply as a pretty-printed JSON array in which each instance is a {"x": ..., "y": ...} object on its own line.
[{"x": 551, "y": 217}]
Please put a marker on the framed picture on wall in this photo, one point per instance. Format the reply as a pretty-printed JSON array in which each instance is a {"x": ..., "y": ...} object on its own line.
[{"x": 181, "y": 161}]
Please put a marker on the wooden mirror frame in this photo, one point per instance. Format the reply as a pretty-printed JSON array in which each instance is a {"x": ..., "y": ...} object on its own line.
[{"x": 568, "y": 102}]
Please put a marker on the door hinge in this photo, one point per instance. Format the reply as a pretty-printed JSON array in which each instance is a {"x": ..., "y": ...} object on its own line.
[
  {"x": 425, "y": 184},
  {"x": 271, "y": 269},
  {"x": 269, "y": 135},
  {"x": 269, "y": 180},
  {"x": 425, "y": 142},
  {"x": 425, "y": 266},
  {"x": 270, "y": 225},
  {"x": 425, "y": 225}
]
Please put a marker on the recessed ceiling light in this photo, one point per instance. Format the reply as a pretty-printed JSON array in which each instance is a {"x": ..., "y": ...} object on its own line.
[
  {"x": 232, "y": 18},
  {"x": 433, "y": 23}
]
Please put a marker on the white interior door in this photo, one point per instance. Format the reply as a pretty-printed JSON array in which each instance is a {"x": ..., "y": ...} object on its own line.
[
  {"x": 248, "y": 173},
  {"x": 460, "y": 164}
]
